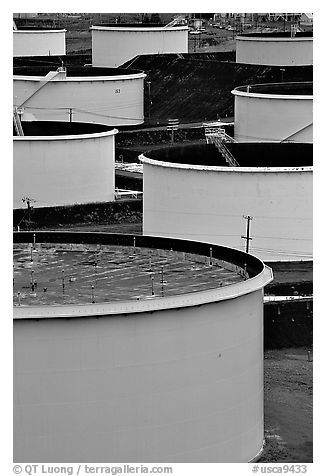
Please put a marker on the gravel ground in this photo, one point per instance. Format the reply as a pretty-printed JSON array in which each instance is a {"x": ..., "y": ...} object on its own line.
[{"x": 288, "y": 406}]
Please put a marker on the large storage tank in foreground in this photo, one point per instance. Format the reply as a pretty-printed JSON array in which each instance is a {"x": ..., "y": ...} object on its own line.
[
  {"x": 36, "y": 41},
  {"x": 134, "y": 377},
  {"x": 274, "y": 112},
  {"x": 114, "y": 44},
  {"x": 59, "y": 163},
  {"x": 275, "y": 49},
  {"x": 101, "y": 95},
  {"x": 204, "y": 199}
]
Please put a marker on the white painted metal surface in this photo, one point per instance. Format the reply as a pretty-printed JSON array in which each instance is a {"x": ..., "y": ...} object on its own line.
[
  {"x": 25, "y": 15},
  {"x": 111, "y": 100},
  {"x": 274, "y": 51},
  {"x": 35, "y": 42},
  {"x": 206, "y": 203},
  {"x": 270, "y": 298},
  {"x": 124, "y": 193},
  {"x": 64, "y": 170},
  {"x": 184, "y": 384},
  {"x": 114, "y": 45},
  {"x": 268, "y": 117},
  {"x": 129, "y": 167}
]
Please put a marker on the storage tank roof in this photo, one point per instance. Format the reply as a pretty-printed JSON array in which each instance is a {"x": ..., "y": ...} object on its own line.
[
  {"x": 38, "y": 29},
  {"x": 304, "y": 88},
  {"x": 138, "y": 26},
  {"x": 57, "y": 128},
  {"x": 124, "y": 268},
  {"x": 55, "y": 60},
  {"x": 133, "y": 25},
  {"x": 248, "y": 155},
  {"x": 76, "y": 66},
  {"x": 276, "y": 35}
]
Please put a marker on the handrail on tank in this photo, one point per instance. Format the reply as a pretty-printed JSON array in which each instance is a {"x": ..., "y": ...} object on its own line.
[
  {"x": 250, "y": 264},
  {"x": 289, "y": 88}
]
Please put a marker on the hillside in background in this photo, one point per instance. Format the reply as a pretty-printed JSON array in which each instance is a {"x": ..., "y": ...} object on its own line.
[{"x": 197, "y": 87}]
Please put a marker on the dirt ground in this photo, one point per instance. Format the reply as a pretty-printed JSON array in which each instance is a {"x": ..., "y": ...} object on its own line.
[
  {"x": 288, "y": 406},
  {"x": 299, "y": 271}
]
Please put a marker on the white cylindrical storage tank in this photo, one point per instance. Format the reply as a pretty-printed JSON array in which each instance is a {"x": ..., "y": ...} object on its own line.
[
  {"x": 273, "y": 112},
  {"x": 25, "y": 15},
  {"x": 172, "y": 377},
  {"x": 204, "y": 199},
  {"x": 63, "y": 164},
  {"x": 275, "y": 49},
  {"x": 29, "y": 41},
  {"x": 114, "y": 44},
  {"x": 114, "y": 97}
]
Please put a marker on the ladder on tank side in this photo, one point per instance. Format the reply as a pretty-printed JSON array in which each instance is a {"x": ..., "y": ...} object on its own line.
[{"x": 17, "y": 123}]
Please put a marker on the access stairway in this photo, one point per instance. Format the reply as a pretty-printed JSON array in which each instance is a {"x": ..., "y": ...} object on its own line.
[
  {"x": 17, "y": 123},
  {"x": 218, "y": 137}
]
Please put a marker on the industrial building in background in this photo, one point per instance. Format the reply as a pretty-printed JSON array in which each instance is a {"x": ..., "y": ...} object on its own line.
[
  {"x": 208, "y": 195},
  {"x": 111, "y": 96},
  {"x": 36, "y": 41},
  {"x": 278, "y": 112},
  {"x": 166, "y": 366},
  {"x": 63, "y": 163},
  {"x": 114, "y": 44}
]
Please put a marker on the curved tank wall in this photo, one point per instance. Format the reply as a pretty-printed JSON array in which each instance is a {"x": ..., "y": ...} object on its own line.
[
  {"x": 105, "y": 96},
  {"x": 66, "y": 165},
  {"x": 114, "y": 45},
  {"x": 39, "y": 42},
  {"x": 275, "y": 49},
  {"x": 273, "y": 112},
  {"x": 24, "y": 15},
  {"x": 208, "y": 203},
  {"x": 176, "y": 379}
]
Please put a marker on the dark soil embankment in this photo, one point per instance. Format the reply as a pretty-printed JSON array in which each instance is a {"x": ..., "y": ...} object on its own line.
[
  {"x": 191, "y": 88},
  {"x": 106, "y": 213},
  {"x": 158, "y": 137}
]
